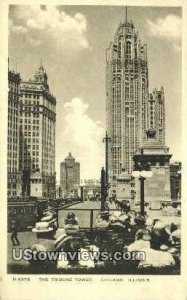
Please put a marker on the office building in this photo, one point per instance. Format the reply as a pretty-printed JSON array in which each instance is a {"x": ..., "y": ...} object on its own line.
[
  {"x": 14, "y": 176},
  {"x": 70, "y": 176},
  {"x": 130, "y": 109},
  {"x": 37, "y": 136}
]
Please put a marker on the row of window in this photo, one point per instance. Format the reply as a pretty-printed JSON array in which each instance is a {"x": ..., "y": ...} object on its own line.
[
  {"x": 29, "y": 140},
  {"x": 29, "y": 127},
  {"x": 31, "y": 134},
  {"x": 28, "y": 114},
  {"x": 12, "y": 135},
  {"x": 28, "y": 121},
  {"x": 13, "y": 112},
  {"x": 13, "y": 97},
  {"x": 29, "y": 102},
  {"x": 12, "y": 118},
  {"x": 30, "y": 96},
  {"x": 33, "y": 147}
]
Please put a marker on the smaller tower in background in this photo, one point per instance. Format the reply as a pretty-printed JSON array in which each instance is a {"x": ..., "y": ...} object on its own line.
[{"x": 70, "y": 176}]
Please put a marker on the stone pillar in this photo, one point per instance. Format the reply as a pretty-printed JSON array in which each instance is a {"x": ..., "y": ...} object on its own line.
[
  {"x": 123, "y": 191},
  {"x": 157, "y": 187}
]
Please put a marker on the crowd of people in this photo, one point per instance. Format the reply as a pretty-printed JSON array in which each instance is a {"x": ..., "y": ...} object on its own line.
[
  {"x": 120, "y": 231},
  {"x": 134, "y": 232}
]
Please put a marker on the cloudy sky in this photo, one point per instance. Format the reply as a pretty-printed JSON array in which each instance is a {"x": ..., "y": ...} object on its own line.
[{"x": 72, "y": 42}]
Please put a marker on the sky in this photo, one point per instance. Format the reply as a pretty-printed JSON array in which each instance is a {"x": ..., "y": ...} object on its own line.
[{"x": 72, "y": 43}]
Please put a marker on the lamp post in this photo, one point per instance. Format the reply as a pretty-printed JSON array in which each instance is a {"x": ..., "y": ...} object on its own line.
[
  {"x": 142, "y": 171},
  {"x": 106, "y": 140},
  {"x": 103, "y": 189}
]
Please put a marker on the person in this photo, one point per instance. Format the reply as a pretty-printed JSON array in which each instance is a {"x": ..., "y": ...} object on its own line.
[
  {"x": 111, "y": 204},
  {"x": 173, "y": 227},
  {"x": 14, "y": 236},
  {"x": 147, "y": 208},
  {"x": 107, "y": 204},
  {"x": 71, "y": 219},
  {"x": 125, "y": 206},
  {"x": 71, "y": 224},
  {"x": 139, "y": 223},
  {"x": 160, "y": 235}
]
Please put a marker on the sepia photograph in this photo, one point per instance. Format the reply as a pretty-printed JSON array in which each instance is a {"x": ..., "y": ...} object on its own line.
[{"x": 94, "y": 139}]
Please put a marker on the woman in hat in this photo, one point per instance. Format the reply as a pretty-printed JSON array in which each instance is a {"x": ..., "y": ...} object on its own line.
[
  {"x": 71, "y": 219},
  {"x": 71, "y": 224}
]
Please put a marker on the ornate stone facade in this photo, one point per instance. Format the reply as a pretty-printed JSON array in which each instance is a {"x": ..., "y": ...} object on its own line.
[
  {"x": 157, "y": 187},
  {"x": 130, "y": 109},
  {"x": 37, "y": 133}
]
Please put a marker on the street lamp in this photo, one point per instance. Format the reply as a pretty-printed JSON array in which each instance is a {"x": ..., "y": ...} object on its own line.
[{"x": 142, "y": 171}]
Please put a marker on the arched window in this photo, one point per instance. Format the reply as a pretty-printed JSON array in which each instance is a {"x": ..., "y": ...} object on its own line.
[{"x": 128, "y": 49}]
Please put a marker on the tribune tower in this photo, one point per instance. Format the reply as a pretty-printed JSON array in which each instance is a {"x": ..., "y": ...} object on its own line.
[{"x": 130, "y": 109}]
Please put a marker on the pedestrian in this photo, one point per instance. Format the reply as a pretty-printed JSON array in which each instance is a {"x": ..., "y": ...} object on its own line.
[
  {"x": 14, "y": 234},
  {"x": 107, "y": 204}
]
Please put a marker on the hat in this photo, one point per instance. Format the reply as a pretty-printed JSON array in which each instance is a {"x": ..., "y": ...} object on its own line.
[
  {"x": 123, "y": 217},
  {"x": 139, "y": 219},
  {"x": 116, "y": 214},
  {"x": 173, "y": 250},
  {"x": 112, "y": 218},
  {"x": 142, "y": 234},
  {"x": 176, "y": 234},
  {"x": 104, "y": 213},
  {"x": 164, "y": 247},
  {"x": 42, "y": 227},
  {"x": 118, "y": 224},
  {"x": 47, "y": 218},
  {"x": 146, "y": 237},
  {"x": 159, "y": 225}
]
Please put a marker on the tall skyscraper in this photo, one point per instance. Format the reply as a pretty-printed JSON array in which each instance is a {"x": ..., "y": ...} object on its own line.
[
  {"x": 37, "y": 136},
  {"x": 127, "y": 95},
  {"x": 70, "y": 175},
  {"x": 14, "y": 176},
  {"x": 130, "y": 110}
]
